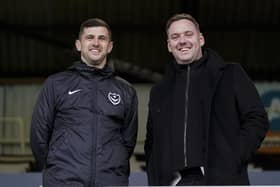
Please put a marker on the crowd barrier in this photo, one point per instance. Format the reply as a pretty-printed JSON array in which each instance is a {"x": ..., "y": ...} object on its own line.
[{"x": 136, "y": 179}]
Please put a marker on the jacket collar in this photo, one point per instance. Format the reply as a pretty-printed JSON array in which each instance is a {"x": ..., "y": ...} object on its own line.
[
  {"x": 86, "y": 70},
  {"x": 194, "y": 65},
  {"x": 210, "y": 59},
  {"x": 215, "y": 61}
]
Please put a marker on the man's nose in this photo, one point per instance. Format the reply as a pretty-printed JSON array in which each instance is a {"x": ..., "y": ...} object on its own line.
[
  {"x": 182, "y": 39},
  {"x": 95, "y": 42}
]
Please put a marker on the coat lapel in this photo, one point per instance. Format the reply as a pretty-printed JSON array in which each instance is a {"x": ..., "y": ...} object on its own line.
[{"x": 214, "y": 72}]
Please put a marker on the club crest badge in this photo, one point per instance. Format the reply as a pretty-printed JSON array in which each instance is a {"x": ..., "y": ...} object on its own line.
[{"x": 114, "y": 98}]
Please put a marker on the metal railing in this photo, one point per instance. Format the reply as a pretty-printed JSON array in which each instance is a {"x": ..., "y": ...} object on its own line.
[{"x": 16, "y": 134}]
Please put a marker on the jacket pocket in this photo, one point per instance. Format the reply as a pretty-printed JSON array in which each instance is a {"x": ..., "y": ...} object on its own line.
[
  {"x": 116, "y": 159},
  {"x": 57, "y": 142}
]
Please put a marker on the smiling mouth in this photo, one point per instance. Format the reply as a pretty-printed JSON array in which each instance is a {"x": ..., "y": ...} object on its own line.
[
  {"x": 184, "y": 49},
  {"x": 95, "y": 51}
]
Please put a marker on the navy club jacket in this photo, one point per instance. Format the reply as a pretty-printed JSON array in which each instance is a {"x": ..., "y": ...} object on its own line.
[{"x": 84, "y": 128}]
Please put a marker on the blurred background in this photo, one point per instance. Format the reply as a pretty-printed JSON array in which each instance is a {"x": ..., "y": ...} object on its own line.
[{"x": 37, "y": 39}]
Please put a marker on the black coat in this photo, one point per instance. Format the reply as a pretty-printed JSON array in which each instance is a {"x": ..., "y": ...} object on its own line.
[
  {"x": 235, "y": 124},
  {"x": 84, "y": 128}
]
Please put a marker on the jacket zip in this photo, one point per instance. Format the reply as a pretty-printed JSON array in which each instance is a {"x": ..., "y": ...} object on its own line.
[
  {"x": 94, "y": 140},
  {"x": 186, "y": 112}
]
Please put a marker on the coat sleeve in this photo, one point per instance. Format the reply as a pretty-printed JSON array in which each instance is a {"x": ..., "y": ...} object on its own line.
[
  {"x": 254, "y": 121},
  {"x": 131, "y": 123},
  {"x": 148, "y": 150},
  {"x": 42, "y": 123},
  {"x": 148, "y": 147}
]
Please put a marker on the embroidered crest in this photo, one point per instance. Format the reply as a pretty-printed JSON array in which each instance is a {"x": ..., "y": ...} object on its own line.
[{"x": 114, "y": 98}]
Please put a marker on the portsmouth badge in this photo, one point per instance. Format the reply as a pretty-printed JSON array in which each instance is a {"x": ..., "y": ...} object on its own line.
[{"x": 114, "y": 98}]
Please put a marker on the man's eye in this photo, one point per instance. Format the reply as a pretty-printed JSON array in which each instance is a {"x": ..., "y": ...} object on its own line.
[
  {"x": 89, "y": 37},
  {"x": 102, "y": 38},
  {"x": 174, "y": 37},
  {"x": 189, "y": 33}
]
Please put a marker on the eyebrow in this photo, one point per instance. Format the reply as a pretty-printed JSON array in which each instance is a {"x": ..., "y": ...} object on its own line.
[
  {"x": 179, "y": 33},
  {"x": 98, "y": 36}
]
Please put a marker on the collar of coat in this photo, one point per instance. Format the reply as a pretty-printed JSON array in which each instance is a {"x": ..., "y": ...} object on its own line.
[
  {"x": 210, "y": 58},
  {"x": 87, "y": 71}
]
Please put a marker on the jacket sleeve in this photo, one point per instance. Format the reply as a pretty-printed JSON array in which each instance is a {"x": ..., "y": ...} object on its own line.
[
  {"x": 42, "y": 123},
  {"x": 130, "y": 129},
  {"x": 148, "y": 147},
  {"x": 254, "y": 121}
]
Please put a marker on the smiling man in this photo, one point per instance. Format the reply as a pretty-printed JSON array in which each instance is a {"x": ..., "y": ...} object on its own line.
[
  {"x": 205, "y": 119},
  {"x": 84, "y": 124},
  {"x": 94, "y": 43},
  {"x": 185, "y": 41}
]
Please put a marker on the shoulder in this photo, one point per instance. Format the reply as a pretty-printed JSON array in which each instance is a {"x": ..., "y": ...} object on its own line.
[
  {"x": 217, "y": 61},
  {"x": 239, "y": 76},
  {"x": 60, "y": 76},
  {"x": 160, "y": 89},
  {"x": 59, "y": 79},
  {"x": 236, "y": 68},
  {"x": 124, "y": 84}
]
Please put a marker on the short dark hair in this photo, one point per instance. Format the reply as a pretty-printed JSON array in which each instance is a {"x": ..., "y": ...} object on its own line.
[
  {"x": 95, "y": 22},
  {"x": 177, "y": 17}
]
